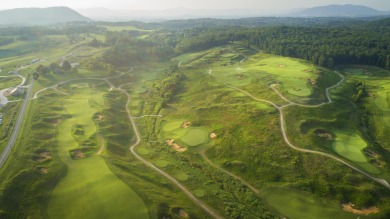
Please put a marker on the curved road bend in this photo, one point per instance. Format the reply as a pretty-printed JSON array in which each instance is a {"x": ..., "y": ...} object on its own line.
[
  {"x": 212, "y": 212},
  {"x": 11, "y": 142},
  {"x": 283, "y": 130}
]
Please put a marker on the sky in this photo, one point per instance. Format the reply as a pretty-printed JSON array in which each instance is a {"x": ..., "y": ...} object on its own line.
[{"x": 190, "y": 4}]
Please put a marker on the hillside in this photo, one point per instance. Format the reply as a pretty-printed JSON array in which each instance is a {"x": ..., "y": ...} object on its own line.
[
  {"x": 339, "y": 11},
  {"x": 39, "y": 16}
]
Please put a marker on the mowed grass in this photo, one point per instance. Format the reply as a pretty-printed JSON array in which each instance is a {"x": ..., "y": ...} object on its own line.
[
  {"x": 350, "y": 145},
  {"x": 293, "y": 74},
  {"x": 382, "y": 101},
  {"x": 6, "y": 82},
  {"x": 125, "y": 28},
  {"x": 192, "y": 136},
  {"x": 172, "y": 129},
  {"x": 297, "y": 205},
  {"x": 90, "y": 189},
  {"x": 195, "y": 137}
]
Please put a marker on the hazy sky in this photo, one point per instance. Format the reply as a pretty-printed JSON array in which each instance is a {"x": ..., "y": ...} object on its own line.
[{"x": 198, "y": 4}]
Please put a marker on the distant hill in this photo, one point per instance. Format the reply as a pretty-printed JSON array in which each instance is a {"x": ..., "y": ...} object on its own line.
[
  {"x": 339, "y": 11},
  {"x": 39, "y": 16},
  {"x": 104, "y": 14}
]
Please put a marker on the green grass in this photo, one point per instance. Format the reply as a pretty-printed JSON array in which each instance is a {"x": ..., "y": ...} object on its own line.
[
  {"x": 291, "y": 73},
  {"x": 382, "y": 101},
  {"x": 350, "y": 146},
  {"x": 195, "y": 136},
  {"x": 199, "y": 193},
  {"x": 162, "y": 163},
  {"x": 182, "y": 176},
  {"x": 298, "y": 205},
  {"x": 9, "y": 82},
  {"x": 172, "y": 129},
  {"x": 125, "y": 28},
  {"x": 90, "y": 189},
  {"x": 143, "y": 151}
]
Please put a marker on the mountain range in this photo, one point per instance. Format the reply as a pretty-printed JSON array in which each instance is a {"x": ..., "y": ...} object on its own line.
[
  {"x": 339, "y": 11},
  {"x": 52, "y": 15},
  {"x": 39, "y": 16},
  {"x": 183, "y": 13}
]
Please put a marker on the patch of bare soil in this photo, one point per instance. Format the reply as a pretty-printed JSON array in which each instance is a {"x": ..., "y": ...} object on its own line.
[
  {"x": 323, "y": 134},
  {"x": 308, "y": 70},
  {"x": 312, "y": 81},
  {"x": 99, "y": 118},
  {"x": 183, "y": 214},
  {"x": 281, "y": 66},
  {"x": 44, "y": 156},
  {"x": 176, "y": 146},
  {"x": 78, "y": 154},
  {"x": 7, "y": 93},
  {"x": 185, "y": 125},
  {"x": 213, "y": 135},
  {"x": 241, "y": 76},
  {"x": 44, "y": 170},
  {"x": 365, "y": 211}
]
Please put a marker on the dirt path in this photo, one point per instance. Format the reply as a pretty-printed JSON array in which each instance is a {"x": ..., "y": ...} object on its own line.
[
  {"x": 203, "y": 155},
  {"x": 273, "y": 86},
  {"x": 198, "y": 202},
  {"x": 147, "y": 116},
  {"x": 286, "y": 139}
]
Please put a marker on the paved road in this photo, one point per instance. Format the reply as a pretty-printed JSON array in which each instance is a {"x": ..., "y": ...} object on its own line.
[
  {"x": 8, "y": 148},
  {"x": 286, "y": 139}
]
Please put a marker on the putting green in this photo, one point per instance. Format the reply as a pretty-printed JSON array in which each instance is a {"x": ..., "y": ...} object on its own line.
[
  {"x": 350, "y": 146},
  {"x": 182, "y": 176},
  {"x": 296, "y": 204},
  {"x": 199, "y": 193},
  {"x": 161, "y": 163},
  {"x": 143, "y": 151},
  {"x": 89, "y": 189},
  {"x": 195, "y": 137}
]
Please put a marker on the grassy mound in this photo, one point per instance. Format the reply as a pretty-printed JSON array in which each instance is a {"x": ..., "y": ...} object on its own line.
[
  {"x": 162, "y": 163},
  {"x": 182, "y": 176},
  {"x": 143, "y": 151},
  {"x": 195, "y": 136},
  {"x": 199, "y": 193}
]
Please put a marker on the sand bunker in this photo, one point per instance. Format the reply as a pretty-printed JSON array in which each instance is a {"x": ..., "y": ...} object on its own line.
[
  {"x": 175, "y": 146},
  {"x": 241, "y": 76},
  {"x": 281, "y": 66},
  {"x": 213, "y": 135},
  {"x": 365, "y": 211},
  {"x": 78, "y": 154},
  {"x": 185, "y": 125},
  {"x": 323, "y": 134},
  {"x": 43, "y": 156},
  {"x": 312, "y": 81},
  {"x": 44, "y": 170},
  {"x": 183, "y": 214}
]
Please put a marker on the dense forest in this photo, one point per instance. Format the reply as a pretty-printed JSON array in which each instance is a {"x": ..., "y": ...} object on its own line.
[{"x": 366, "y": 43}]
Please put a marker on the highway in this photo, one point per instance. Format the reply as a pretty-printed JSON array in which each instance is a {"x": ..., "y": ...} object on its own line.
[{"x": 15, "y": 132}]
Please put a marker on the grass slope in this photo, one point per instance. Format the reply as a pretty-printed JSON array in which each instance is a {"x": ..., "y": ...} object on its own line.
[{"x": 90, "y": 189}]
